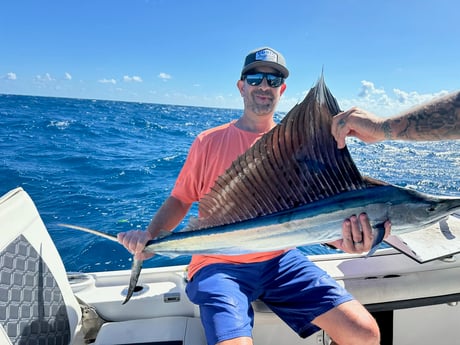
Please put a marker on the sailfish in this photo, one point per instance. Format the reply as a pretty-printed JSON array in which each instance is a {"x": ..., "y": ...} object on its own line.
[{"x": 294, "y": 187}]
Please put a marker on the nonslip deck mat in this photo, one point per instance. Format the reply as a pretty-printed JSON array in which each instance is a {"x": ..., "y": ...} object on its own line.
[{"x": 32, "y": 308}]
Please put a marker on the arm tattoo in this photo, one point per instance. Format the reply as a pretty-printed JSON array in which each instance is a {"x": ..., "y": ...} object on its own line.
[
  {"x": 387, "y": 132},
  {"x": 437, "y": 120}
]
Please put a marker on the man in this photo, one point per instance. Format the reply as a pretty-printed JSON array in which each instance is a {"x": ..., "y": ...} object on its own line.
[
  {"x": 437, "y": 120},
  {"x": 224, "y": 286}
]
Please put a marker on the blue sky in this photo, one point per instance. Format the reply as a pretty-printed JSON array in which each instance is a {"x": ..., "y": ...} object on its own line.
[{"x": 384, "y": 56}]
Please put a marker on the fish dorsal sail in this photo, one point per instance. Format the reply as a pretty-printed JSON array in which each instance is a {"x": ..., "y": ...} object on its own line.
[{"x": 294, "y": 164}]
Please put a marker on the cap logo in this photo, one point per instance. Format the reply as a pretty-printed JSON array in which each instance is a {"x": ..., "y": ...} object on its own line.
[{"x": 266, "y": 55}]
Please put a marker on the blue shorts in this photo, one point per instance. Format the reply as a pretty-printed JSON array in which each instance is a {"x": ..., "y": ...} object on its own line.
[{"x": 290, "y": 285}]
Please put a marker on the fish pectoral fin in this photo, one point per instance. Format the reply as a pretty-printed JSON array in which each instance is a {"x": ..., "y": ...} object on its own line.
[{"x": 379, "y": 234}]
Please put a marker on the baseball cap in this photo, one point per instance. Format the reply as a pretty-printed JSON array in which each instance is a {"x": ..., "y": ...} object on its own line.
[{"x": 265, "y": 56}]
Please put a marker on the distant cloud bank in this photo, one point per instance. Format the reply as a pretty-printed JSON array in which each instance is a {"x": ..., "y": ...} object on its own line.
[
  {"x": 386, "y": 103},
  {"x": 369, "y": 96}
]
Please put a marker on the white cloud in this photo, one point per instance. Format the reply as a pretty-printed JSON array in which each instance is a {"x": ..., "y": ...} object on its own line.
[
  {"x": 368, "y": 88},
  {"x": 11, "y": 76},
  {"x": 44, "y": 78},
  {"x": 164, "y": 76},
  {"x": 67, "y": 76},
  {"x": 134, "y": 78},
  {"x": 107, "y": 81}
]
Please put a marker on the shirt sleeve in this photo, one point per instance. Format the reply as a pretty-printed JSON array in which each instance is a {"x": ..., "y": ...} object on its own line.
[{"x": 188, "y": 184}]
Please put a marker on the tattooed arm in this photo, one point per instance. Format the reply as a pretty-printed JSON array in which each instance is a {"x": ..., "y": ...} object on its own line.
[{"x": 437, "y": 120}]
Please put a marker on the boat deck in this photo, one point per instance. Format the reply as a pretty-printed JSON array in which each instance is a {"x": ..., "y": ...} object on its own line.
[{"x": 413, "y": 303}]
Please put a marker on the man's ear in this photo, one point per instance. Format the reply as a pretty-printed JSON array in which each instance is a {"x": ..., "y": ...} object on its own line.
[
  {"x": 240, "y": 86},
  {"x": 283, "y": 88}
]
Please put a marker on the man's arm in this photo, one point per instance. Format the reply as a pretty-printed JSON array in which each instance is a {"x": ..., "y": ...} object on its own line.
[{"x": 437, "y": 120}]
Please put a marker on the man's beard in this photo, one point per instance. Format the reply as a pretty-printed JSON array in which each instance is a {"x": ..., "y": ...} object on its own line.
[{"x": 262, "y": 108}]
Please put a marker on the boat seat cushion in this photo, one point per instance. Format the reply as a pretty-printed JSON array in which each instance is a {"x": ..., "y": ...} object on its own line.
[{"x": 36, "y": 302}]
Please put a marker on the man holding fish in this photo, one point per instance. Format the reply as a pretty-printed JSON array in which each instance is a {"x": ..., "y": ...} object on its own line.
[{"x": 224, "y": 286}]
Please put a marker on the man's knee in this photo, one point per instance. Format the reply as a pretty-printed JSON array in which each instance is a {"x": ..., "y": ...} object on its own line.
[
  {"x": 350, "y": 323},
  {"x": 369, "y": 335},
  {"x": 363, "y": 336}
]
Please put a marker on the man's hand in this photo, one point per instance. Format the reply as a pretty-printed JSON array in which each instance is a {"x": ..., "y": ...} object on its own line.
[
  {"x": 358, "y": 123},
  {"x": 135, "y": 241},
  {"x": 357, "y": 235}
]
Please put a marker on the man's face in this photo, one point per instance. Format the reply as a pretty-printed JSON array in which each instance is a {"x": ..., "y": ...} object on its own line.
[{"x": 261, "y": 99}]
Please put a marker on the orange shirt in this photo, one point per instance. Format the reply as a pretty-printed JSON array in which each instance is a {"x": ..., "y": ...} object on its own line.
[{"x": 212, "y": 152}]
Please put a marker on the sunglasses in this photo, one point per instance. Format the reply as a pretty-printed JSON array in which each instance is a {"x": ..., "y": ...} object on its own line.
[{"x": 257, "y": 78}]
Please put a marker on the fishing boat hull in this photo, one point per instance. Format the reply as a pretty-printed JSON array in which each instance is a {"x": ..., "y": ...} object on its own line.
[{"x": 414, "y": 303}]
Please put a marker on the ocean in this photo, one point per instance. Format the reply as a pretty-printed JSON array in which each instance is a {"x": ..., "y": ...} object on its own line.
[{"x": 109, "y": 165}]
